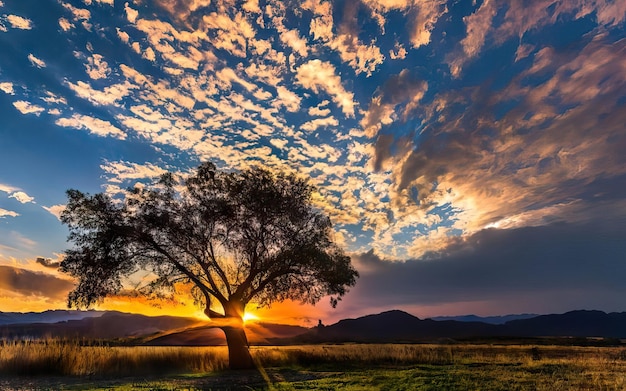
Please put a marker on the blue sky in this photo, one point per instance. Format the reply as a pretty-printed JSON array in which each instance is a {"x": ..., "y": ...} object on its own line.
[{"x": 430, "y": 128}]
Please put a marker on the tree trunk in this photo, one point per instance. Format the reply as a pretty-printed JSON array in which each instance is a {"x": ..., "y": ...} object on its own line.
[{"x": 238, "y": 353}]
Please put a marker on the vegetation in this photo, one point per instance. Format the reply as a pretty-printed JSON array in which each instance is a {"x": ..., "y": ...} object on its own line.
[
  {"x": 227, "y": 237},
  {"x": 324, "y": 367}
]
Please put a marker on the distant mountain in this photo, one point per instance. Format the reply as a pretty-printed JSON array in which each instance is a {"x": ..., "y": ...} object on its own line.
[
  {"x": 572, "y": 324},
  {"x": 140, "y": 329},
  {"x": 51, "y": 316},
  {"x": 394, "y": 326},
  {"x": 110, "y": 325},
  {"x": 486, "y": 319},
  {"x": 399, "y": 326},
  {"x": 386, "y": 327}
]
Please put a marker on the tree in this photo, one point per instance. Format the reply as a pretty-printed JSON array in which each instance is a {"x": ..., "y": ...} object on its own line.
[{"x": 231, "y": 237}]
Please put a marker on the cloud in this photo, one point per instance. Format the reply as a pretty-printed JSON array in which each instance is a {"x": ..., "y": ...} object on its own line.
[
  {"x": 65, "y": 24},
  {"x": 398, "y": 52},
  {"x": 55, "y": 210},
  {"x": 122, "y": 171},
  {"x": 108, "y": 96},
  {"x": 403, "y": 88},
  {"x": 131, "y": 14},
  {"x": 47, "y": 262},
  {"x": 78, "y": 14},
  {"x": 505, "y": 271},
  {"x": 4, "y": 213},
  {"x": 292, "y": 39},
  {"x": 93, "y": 125},
  {"x": 29, "y": 283},
  {"x": 97, "y": 67},
  {"x": 230, "y": 34},
  {"x": 478, "y": 162},
  {"x": 18, "y": 22},
  {"x": 288, "y": 99},
  {"x": 7, "y": 88},
  {"x": 319, "y": 123},
  {"x": 425, "y": 16},
  {"x": 318, "y": 75},
  {"x": 7, "y": 188},
  {"x": 25, "y": 107},
  {"x": 22, "y": 197},
  {"x": 36, "y": 62},
  {"x": 520, "y": 18}
]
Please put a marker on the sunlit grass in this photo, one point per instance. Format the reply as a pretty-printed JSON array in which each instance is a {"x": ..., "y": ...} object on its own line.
[
  {"x": 62, "y": 358},
  {"x": 350, "y": 366}
]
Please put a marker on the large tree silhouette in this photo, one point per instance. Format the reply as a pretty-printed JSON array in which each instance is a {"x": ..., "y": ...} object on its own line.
[{"x": 233, "y": 237}]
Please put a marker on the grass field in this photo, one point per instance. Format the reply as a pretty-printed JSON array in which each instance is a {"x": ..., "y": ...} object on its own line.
[{"x": 61, "y": 365}]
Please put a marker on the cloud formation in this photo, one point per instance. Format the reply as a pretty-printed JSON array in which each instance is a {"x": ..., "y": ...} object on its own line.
[
  {"x": 506, "y": 271},
  {"x": 27, "y": 283}
]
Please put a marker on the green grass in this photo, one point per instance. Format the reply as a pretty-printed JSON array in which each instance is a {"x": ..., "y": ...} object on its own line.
[{"x": 69, "y": 366}]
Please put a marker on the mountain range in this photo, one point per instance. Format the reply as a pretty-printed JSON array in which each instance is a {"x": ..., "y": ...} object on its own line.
[{"x": 386, "y": 327}]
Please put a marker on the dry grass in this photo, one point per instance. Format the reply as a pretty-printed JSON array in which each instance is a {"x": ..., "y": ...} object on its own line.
[
  {"x": 66, "y": 358},
  {"x": 356, "y": 367}
]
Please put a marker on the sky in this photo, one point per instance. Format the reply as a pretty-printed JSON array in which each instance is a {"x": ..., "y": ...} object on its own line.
[{"x": 469, "y": 153}]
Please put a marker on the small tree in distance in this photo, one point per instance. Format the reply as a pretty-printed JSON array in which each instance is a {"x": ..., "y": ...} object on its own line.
[{"x": 233, "y": 237}]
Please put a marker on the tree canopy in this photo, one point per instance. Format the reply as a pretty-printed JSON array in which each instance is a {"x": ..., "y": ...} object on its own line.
[{"x": 232, "y": 237}]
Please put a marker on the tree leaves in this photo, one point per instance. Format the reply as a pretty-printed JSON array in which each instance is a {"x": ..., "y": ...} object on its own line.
[{"x": 235, "y": 237}]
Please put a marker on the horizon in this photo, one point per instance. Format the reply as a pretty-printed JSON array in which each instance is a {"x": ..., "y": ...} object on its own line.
[{"x": 469, "y": 154}]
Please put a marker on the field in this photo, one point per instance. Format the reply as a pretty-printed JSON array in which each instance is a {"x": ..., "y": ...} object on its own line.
[{"x": 70, "y": 366}]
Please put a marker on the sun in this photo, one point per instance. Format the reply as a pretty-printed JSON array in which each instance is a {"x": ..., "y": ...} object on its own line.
[{"x": 249, "y": 316}]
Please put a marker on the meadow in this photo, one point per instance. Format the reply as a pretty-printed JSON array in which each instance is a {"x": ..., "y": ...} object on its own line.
[{"x": 70, "y": 366}]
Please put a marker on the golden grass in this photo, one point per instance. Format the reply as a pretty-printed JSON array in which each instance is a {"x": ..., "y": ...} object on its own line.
[
  {"x": 67, "y": 358},
  {"x": 350, "y": 366}
]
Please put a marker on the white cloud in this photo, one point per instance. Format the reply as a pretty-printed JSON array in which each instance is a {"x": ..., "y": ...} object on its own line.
[
  {"x": 287, "y": 98},
  {"x": 7, "y": 88},
  {"x": 231, "y": 35},
  {"x": 77, "y": 13},
  {"x": 97, "y": 68},
  {"x": 428, "y": 13},
  {"x": 65, "y": 24},
  {"x": 292, "y": 39},
  {"x": 22, "y": 197},
  {"x": 122, "y": 35},
  {"x": 121, "y": 171},
  {"x": 25, "y": 107},
  {"x": 55, "y": 210},
  {"x": 36, "y": 61},
  {"x": 149, "y": 55},
  {"x": 18, "y": 22},
  {"x": 7, "y": 188},
  {"x": 131, "y": 14},
  {"x": 93, "y": 125},
  {"x": 252, "y": 6},
  {"x": 319, "y": 123},
  {"x": 319, "y": 111},
  {"x": 108, "y": 96},
  {"x": 317, "y": 75},
  {"x": 398, "y": 52},
  {"x": 4, "y": 213}
]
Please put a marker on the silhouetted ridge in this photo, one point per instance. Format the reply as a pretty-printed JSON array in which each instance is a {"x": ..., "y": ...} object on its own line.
[
  {"x": 393, "y": 326},
  {"x": 580, "y": 323}
]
